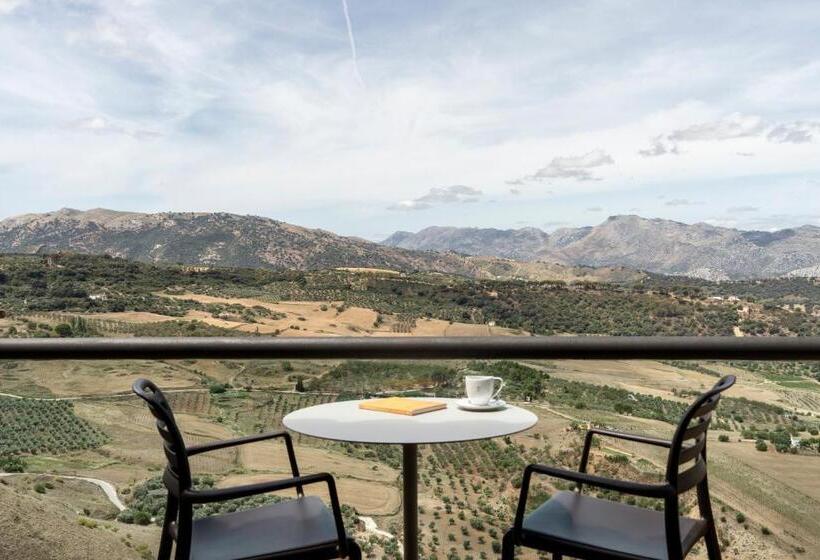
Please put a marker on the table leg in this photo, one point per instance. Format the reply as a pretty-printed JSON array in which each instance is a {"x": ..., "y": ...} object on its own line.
[{"x": 411, "y": 510}]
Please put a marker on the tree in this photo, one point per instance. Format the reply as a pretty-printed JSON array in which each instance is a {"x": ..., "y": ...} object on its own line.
[{"x": 63, "y": 330}]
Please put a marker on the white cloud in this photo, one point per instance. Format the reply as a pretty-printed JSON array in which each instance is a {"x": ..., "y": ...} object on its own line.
[
  {"x": 794, "y": 133},
  {"x": 572, "y": 167},
  {"x": 440, "y": 195},
  {"x": 658, "y": 147},
  {"x": 8, "y": 6},
  {"x": 682, "y": 202},
  {"x": 733, "y": 126},
  {"x": 102, "y": 125}
]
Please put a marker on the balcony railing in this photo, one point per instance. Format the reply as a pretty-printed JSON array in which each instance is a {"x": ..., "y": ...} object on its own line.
[
  {"x": 409, "y": 348},
  {"x": 417, "y": 348}
]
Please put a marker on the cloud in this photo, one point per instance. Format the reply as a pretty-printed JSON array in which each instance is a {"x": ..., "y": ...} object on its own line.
[
  {"x": 746, "y": 154},
  {"x": 515, "y": 192},
  {"x": 659, "y": 146},
  {"x": 733, "y": 126},
  {"x": 571, "y": 167},
  {"x": 554, "y": 224},
  {"x": 730, "y": 128},
  {"x": 438, "y": 196},
  {"x": 103, "y": 125},
  {"x": 738, "y": 209},
  {"x": 8, "y": 6},
  {"x": 595, "y": 209},
  {"x": 794, "y": 133},
  {"x": 682, "y": 202}
]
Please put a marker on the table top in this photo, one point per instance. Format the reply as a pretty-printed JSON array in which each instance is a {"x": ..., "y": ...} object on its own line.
[{"x": 345, "y": 421}]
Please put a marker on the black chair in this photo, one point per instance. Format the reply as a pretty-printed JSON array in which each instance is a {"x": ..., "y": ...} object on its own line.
[
  {"x": 596, "y": 529},
  {"x": 301, "y": 528}
]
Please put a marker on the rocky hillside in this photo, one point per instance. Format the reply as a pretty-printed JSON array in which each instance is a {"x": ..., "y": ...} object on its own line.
[
  {"x": 661, "y": 246},
  {"x": 230, "y": 240},
  {"x": 38, "y": 527},
  {"x": 216, "y": 239}
]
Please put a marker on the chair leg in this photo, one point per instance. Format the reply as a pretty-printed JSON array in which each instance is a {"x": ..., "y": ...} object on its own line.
[
  {"x": 166, "y": 541},
  {"x": 712, "y": 543},
  {"x": 508, "y": 546},
  {"x": 184, "y": 530},
  {"x": 705, "y": 506},
  {"x": 353, "y": 550}
]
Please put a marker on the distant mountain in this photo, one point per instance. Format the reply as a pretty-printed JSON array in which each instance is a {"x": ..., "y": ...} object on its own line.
[
  {"x": 655, "y": 245},
  {"x": 220, "y": 239},
  {"x": 517, "y": 244}
]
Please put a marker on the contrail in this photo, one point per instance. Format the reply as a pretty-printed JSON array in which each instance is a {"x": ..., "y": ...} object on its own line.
[{"x": 352, "y": 43}]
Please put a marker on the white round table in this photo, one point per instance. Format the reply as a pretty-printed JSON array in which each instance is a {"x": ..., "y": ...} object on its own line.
[{"x": 345, "y": 421}]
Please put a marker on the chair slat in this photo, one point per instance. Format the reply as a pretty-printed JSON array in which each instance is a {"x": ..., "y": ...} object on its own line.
[
  {"x": 173, "y": 458},
  {"x": 707, "y": 407},
  {"x": 692, "y": 451},
  {"x": 693, "y": 431},
  {"x": 165, "y": 432},
  {"x": 689, "y": 478}
]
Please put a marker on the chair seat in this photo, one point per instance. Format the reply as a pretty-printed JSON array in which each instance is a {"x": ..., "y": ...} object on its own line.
[
  {"x": 577, "y": 520},
  {"x": 263, "y": 532}
]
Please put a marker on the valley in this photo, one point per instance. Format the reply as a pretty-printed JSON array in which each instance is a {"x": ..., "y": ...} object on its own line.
[{"x": 767, "y": 499}]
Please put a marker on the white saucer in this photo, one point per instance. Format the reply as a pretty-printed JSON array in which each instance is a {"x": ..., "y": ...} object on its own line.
[{"x": 497, "y": 404}]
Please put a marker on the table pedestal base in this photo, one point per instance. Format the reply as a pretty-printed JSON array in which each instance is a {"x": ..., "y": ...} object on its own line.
[{"x": 410, "y": 500}]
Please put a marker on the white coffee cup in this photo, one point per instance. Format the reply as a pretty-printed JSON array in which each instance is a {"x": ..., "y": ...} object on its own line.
[{"x": 481, "y": 388}]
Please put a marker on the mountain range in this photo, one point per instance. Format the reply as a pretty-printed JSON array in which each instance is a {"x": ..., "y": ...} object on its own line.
[
  {"x": 611, "y": 251},
  {"x": 661, "y": 246},
  {"x": 231, "y": 240}
]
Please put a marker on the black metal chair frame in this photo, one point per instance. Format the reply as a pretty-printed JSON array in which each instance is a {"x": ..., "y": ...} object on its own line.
[
  {"x": 178, "y": 524},
  {"x": 693, "y": 425}
]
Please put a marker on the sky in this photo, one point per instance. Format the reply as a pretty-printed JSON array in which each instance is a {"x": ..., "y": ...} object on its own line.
[{"x": 367, "y": 117}]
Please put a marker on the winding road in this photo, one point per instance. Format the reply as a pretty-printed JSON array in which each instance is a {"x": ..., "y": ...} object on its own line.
[{"x": 108, "y": 489}]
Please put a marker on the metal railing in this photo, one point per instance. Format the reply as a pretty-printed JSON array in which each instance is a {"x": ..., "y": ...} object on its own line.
[
  {"x": 415, "y": 348},
  {"x": 419, "y": 348}
]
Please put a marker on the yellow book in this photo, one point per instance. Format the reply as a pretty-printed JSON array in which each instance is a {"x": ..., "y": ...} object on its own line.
[{"x": 400, "y": 405}]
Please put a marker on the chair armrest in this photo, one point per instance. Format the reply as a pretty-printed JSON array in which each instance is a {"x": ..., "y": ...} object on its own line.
[
  {"x": 631, "y": 437},
  {"x": 620, "y": 435},
  {"x": 623, "y": 486},
  {"x": 223, "y": 494},
  {"x": 225, "y": 443},
  {"x": 222, "y": 444}
]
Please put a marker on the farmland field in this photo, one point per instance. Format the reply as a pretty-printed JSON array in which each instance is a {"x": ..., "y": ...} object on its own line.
[{"x": 86, "y": 422}]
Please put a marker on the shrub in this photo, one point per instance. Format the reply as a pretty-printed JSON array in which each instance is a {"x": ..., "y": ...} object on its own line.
[
  {"x": 40, "y": 488},
  {"x": 12, "y": 464},
  {"x": 740, "y": 517},
  {"x": 217, "y": 388},
  {"x": 723, "y": 437},
  {"x": 761, "y": 445},
  {"x": 63, "y": 330},
  {"x": 89, "y": 523}
]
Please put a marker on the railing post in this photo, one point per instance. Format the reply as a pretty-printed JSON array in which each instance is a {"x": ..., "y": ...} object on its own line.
[{"x": 410, "y": 501}]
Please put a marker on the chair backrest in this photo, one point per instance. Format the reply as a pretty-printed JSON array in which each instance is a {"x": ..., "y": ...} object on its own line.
[
  {"x": 178, "y": 471},
  {"x": 686, "y": 466}
]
